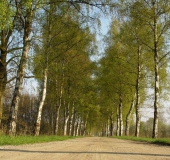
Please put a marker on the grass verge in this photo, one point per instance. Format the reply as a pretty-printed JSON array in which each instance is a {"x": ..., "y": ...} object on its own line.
[
  {"x": 160, "y": 141},
  {"x": 18, "y": 140}
]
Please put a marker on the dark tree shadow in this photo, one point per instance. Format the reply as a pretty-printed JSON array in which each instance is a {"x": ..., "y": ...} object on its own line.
[{"x": 88, "y": 152}]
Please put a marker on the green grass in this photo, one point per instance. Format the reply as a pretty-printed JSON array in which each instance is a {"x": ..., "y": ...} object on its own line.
[
  {"x": 160, "y": 141},
  {"x": 18, "y": 140}
]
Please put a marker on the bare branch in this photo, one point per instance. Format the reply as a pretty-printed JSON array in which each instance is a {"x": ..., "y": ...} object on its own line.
[{"x": 14, "y": 49}]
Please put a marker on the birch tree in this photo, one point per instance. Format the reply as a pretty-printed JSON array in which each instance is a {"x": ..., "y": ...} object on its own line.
[
  {"x": 115, "y": 73},
  {"x": 25, "y": 15},
  {"x": 46, "y": 53},
  {"x": 125, "y": 54},
  {"x": 155, "y": 15}
]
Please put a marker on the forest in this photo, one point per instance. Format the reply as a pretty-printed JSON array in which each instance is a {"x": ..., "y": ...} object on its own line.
[{"x": 84, "y": 87}]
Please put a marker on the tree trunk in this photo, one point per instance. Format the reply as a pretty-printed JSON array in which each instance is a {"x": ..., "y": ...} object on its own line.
[
  {"x": 138, "y": 94},
  {"x": 108, "y": 127},
  {"x": 71, "y": 121},
  {"x": 5, "y": 36},
  {"x": 66, "y": 118},
  {"x": 81, "y": 127},
  {"x": 38, "y": 122},
  {"x": 102, "y": 129},
  {"x": 57, "y": 120},
  {"x": 3, "y": 73},
  {"x": 1, "y": 108},
  {"x": 60, "y": 101},
  {"x": 74, "y": 124},
  {"x": 120, "y": 116},
  {"x": 118, "y": 122},
  {"x": 67, "y": 110},
  {"x": 12, "y": 120},
  {"x": 111, "y": 125},
  {"x": 85, "y": 124},
  {"x": 156, "y": 68},
  {"x": 78, "y": 126},
  {"x": 46, "y": 52},
  {"x": 128, "y": 116},
  {"x": 58, "y": 107},
  {"x": 75, "y": 127}
]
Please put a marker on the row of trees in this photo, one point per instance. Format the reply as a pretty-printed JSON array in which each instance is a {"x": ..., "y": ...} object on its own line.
[
  {"x": 53, "y": 41},
  {"x": 135, "y": 61}
]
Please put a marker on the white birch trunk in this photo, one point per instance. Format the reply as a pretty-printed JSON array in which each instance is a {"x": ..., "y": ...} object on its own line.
[
  {"x": 138, "y": 94},
  {"x": 66, "y": 121},
  {"x": 67, "y": 111},
  {"x": 12, "y": 120},
  {"x": 120, "y": 116},
  {"x": 78, "y": 126},
  {"x": 38, "y": 122},
  {"x": 60, "y": 101},
  {"x": 81, "y": 127},
  {"x": 129, "y": 115},
  {"x": 118, "y": 122},
  {"x": 71, "y": 121},
  {"x": 75, "y": 128},
  {"x": 74, "y": 124},
  {"x": 85, "y": 125},
  {"x": 156, "y": 68}
]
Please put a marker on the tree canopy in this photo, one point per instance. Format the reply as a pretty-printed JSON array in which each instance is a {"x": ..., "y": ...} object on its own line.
[{"x": 55, "y": 42}]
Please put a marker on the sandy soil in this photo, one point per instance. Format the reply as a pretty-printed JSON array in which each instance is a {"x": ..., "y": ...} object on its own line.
[{"x": 90, "y": 148}]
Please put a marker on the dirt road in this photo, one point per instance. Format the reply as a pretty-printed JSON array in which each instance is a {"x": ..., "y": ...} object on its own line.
[{"x": 91, "y": 148}]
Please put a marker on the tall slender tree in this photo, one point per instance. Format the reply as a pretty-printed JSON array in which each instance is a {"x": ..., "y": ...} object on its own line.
[
  {"x": 154, "y": 15},
  {"x": 25, "y": 14},
  {"x": 7, "y": 28}
]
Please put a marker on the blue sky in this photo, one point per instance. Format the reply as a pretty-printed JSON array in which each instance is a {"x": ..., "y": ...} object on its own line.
[{"x": 102, "y": 31}]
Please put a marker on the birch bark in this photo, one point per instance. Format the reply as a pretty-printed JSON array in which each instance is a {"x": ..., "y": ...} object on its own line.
[
  {"x": 118, "y": 122},
  {"x": 75, "y": 124},
  {"x": 129, "y": 114},
  {"x": 67, "y": 107},
  {"x": 71, "y": 121},
  {"x": 45, "y": 75},
  {"x": 75, "y": 128},
  {"x": 38, "y": 122},
  {"x": 66, "y": 120},
  {"x": 60, "y": 101},
  {"x": 78, "y": 126},
  {"x": 12, "y": 120},
  {"x": 138, "y": 94},
  {"x": 85, "y": 124},
  {"x": 156, "y": 69},
  {"x": 120, "y": 116}
]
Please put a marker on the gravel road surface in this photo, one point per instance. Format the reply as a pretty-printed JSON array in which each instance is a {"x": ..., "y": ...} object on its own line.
[{"x": 89, "y": 148}]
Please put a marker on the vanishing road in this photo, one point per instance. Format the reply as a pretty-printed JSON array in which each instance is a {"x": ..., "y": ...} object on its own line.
[{"x": 89, "y": 148}]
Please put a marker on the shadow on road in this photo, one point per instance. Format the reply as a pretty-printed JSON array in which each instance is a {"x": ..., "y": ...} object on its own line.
[{"x": 73, "y": 152}]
